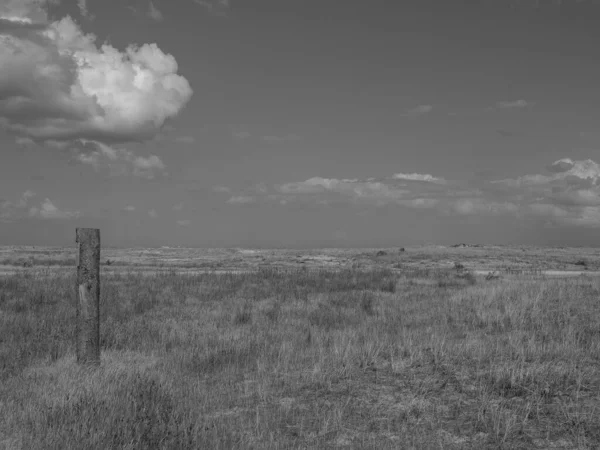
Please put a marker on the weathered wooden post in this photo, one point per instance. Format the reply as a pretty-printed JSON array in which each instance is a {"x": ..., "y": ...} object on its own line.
[{"x": 87, "y": 330}]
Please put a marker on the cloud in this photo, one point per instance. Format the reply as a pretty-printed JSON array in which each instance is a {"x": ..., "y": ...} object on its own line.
[
  {"x": 568, "y": 194},
  {"x": 419, "y": 110},
  {"x": 154, "y": 13},
  {"x": 216, "y": 7},
  {"x": 129, "y": 208},
  {"x": 48, "y": 211},
  {"x": 418, "y": 177},
  {"x": 418, "y": 191},
  {"x": 178, "y": 207},
  {"x": 22, "y": 208},
  {"x": 25, "y": 11},
  {"x": 24, "y": 141},
  {"x": 513, "y": 104},
  {"x": 83, "y": 9},
  {"x": 564, "y": 171},
  {"x": 57, "y": 83},
  {"x": 478, "y": 206},
  {"x": 184, "y": 223},
  {"x": 120, "y": 161},
  {"x": 221, "y": 189},
  {"x": 370, "y": 190},
  {"x": 185, "y": 139},
  {"x": 152, "y": 213},
  {"x": 241, "y": 199},
  {"x": 10, "y": 210}
]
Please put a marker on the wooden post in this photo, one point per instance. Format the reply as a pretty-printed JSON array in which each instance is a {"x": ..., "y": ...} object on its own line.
[{"x": 88, "y": 296}]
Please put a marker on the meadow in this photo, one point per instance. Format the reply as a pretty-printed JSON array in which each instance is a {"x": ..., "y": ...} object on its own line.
[{"x": 378, "y": 352}]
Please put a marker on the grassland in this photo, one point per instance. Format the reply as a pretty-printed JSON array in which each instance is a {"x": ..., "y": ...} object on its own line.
[
  {"x": 379, "y": 352},
  {"x": 188, "y": 260}
]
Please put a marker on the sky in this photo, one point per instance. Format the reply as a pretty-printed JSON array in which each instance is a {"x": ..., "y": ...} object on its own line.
[{"x": 300, "y": 124}]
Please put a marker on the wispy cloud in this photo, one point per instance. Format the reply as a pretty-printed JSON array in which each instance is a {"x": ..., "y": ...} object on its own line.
[
  {"x": 240, "y": 134},
  {"x": 83, "y": 10},
  {"x": 154, "y": 13},
  {"x": 418, "y": 177},
  {"x": 216, "y": 7},
  {"x": 129, "y": 208},
  {"x": 418, "y": 110},
  {"x": 241, "y": 199},
  {"x": 24, "y": 141},
  {"x": 221, "y": 189},
  {"x": 513, "y": 104},
  {"x": 184, "y": 223},
  {"x": 152, "y": 213},
  {"x": 120, "y": 161},
  {"x": 178, "y": 207},
  {"x": 567, "y": 194},
  {"x": 10, "y": 210}
]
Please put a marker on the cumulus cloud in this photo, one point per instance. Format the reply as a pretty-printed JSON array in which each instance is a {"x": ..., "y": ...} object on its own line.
[
  {"x": 119, "y": 161},
  {"x": 57, "y": 83},
  {"x": 23, "y": 208},
  {"x": 48, "y": 210}
]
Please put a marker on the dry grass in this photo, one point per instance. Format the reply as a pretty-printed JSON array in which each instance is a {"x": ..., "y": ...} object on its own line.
[
  {"x": 484, "y": 258},
  {"x": 304, "y": 359}
]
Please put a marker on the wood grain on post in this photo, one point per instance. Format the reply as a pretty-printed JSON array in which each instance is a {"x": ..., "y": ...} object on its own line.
[{"x": 88, "y": 296}]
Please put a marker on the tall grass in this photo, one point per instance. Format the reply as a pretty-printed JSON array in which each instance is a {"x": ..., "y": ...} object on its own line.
[{"x": 304, "y": 359}]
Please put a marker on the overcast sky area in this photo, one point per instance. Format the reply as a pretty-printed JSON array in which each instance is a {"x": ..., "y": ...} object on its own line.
[{"x": 288, "y": 123}]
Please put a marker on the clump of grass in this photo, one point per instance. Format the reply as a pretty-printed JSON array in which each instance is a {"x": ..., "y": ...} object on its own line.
[
  {"x": 243, "y": 314},
  {"x": 469, "y": 277},
  {"x": 273, "y": 313},
  {"x": 388, "y": 286},
  {"x": 367, "y": 303}
]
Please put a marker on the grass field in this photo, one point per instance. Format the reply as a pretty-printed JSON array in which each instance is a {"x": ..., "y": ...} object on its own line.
[{"x": 375, "y": 358}]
